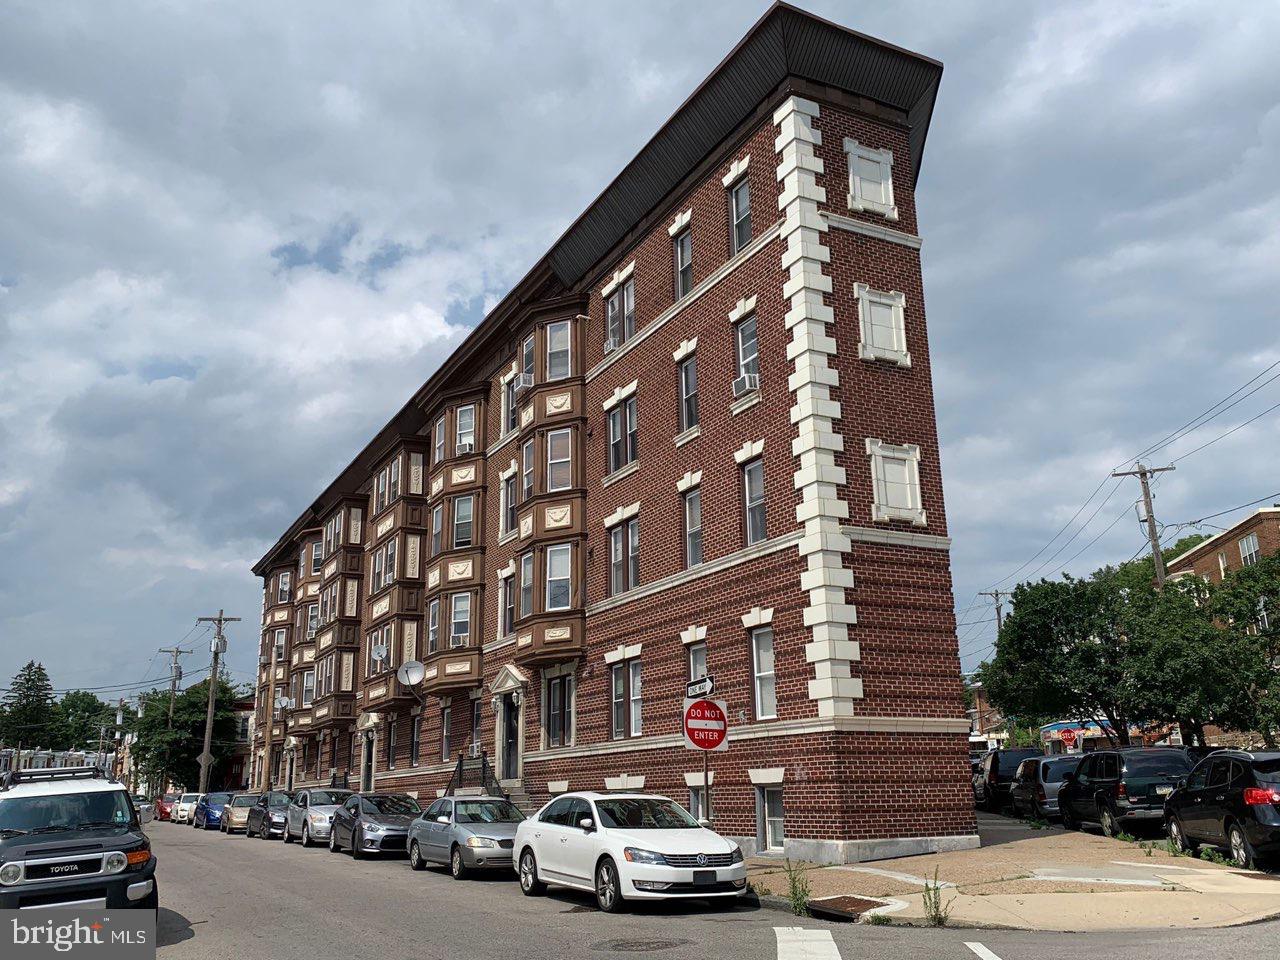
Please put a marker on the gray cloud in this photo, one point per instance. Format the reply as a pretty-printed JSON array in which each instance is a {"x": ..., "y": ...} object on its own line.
[{"x": 207, "y": 218}]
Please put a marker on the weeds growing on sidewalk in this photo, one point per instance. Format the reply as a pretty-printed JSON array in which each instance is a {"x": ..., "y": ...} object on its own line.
[
  {"x": 1126, "y": 837},
  {"x": 935, "y": 911},
  {"x": 797, "y": 889},
  {"x": 1213, "y": 856},
  {"x": 876, "y": 919},
  {"x": 1036, "y": 822}
]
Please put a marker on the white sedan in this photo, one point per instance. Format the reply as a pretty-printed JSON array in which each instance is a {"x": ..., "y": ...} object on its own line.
[
  {"x": 625, "y": 847},
  {"x": 184, "y": 810}
]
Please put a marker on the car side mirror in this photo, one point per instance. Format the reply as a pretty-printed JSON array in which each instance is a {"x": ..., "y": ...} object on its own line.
[
  {"x": 442, "y": 819},
  {"x": 587, "y": 824}
]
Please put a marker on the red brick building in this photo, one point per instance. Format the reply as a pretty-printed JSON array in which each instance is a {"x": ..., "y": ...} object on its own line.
[
  {"x": 697, "y": 437},
  {"x": 1244, "y": 544}
]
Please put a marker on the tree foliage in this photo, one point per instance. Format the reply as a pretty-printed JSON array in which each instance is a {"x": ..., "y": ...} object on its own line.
[
  {"x": 26, "y": 712},
  {"x": 165, "y": 754}
]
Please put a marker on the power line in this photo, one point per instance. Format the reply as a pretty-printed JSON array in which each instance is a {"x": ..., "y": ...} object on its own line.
[
  {"x": 1223, "y": 436},
  {"x": 1251, "y": 503}
]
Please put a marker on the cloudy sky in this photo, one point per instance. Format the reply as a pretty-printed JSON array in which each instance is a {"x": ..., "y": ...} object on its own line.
[{"x": 208, "y": 211}]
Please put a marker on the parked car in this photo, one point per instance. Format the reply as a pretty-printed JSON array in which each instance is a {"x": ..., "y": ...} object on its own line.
[
  {"x": 185, "y": 808},
  {"x": 1036, "y": 783},
  {"x": 468, "y": 833},
  {"x": 71, "y": 836},
  {"x": 1231, "y": 799},
  {"x": 208, "y": 813},
  {"x": 310, "y": 814},
  {"x": 995, "y": 774},
  {"x": 1121, "y": 788},
  {"x": 373, "y": 823},
  {"x": 266, "y": 816},
  {"x": 165, "y": 805},
  {"x": 626, "y": 846},
  {"x": 235, "y": 815}
]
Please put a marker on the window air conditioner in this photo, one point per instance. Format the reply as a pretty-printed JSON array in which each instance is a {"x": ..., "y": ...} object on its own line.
[
  {"x": 745, "y": 384},
  {"x": 466, "y": 446}
]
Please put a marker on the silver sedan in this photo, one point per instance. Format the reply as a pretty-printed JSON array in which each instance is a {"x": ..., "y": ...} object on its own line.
[
  {"x": 310, "y": 815},
  {"x": 467, "y": 833}
]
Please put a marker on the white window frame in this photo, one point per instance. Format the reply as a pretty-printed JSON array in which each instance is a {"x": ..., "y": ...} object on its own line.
[
  {"x": 568, "y": 349},
  {"x": 562, "y": 676},
  {"x": 454, "y": 621},
  {"x": 908, "y": 453},
  {"x": 567, "y": 434},
  {"x": 897, "y": 304},
  {"x": 525, "y": 563},
  {"x": 317, "y": 558},
  {"x": 464, "y": 435},
  {"x": 438, "y": 441},
  {"x": 433, "y": 626},
  {"x": 737, "y": 217},
  {"x": 620, "y": 313},
  {"x": 689, "y": 414},
  {"x": 749, "y": 535},
  {"x": 284, "y": 587},
  {"x": 1254, "y": 554},
  {"x": 766, "y": 835},
  {"x": 528, "y": 452},
  {"x": 308, "y": 687},
  {"x": 446, "y": 732},
  {"x": 679, "y": 241},
  {"x": 698, "y": 651},
  {"x": 564, "y": 550},
  {"x": 510, "y": 409},
  {"x": 747, "y": 365},
  {"x": 508, "y": 491},
  {"x": 856, "y": 151},
  {"x": 624, "y": 426},
  {"x": 689, "y": 496},
  {"x": 762, "y": 711},
  {"x": 506, "y": 599},
  {"x": 470, "y": 500}
]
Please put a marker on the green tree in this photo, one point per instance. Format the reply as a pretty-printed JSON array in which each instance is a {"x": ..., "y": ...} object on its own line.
[
  {"x": 28, "y": 708},
  {"x": 172, "y": 755},
  {"x": 78, "y": 718},
  {"x": 1247, "y": 606}
]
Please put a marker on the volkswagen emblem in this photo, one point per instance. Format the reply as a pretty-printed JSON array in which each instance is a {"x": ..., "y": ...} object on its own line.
[{"x": 702, "y": 859}]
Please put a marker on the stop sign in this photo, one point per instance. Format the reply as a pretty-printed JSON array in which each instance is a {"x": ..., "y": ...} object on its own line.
[
  {"x": 706, "y": 725},
  {"x": 1068, "y": 738}
]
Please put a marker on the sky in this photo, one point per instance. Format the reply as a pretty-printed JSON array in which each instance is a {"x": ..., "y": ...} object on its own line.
[{"x": 233, "y": 241}]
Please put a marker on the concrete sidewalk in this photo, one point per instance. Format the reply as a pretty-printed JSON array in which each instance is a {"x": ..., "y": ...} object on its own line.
[{"x": 1048, "y": 879}]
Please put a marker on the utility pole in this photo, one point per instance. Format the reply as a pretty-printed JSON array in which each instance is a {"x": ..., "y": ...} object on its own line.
[
  {"x": 1144, "y": 475},
  {"x": 218, "y": 645},
  {"x": 175, "y": 677},
  {"x": 998, "y": 596}
]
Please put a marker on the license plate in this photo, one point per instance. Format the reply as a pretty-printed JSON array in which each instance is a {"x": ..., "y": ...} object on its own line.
[
  {"x": 1163, "y": 791},
  {"x": 704, "y": 877}
]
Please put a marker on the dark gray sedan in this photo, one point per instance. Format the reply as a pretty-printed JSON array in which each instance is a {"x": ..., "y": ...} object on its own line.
[
  {"x": 467, "y": 833},
  {"x": 373, "y": 823}
]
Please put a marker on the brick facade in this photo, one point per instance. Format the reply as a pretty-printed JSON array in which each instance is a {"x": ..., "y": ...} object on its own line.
[
  {"x": 1222, "y": 554},
  {"x": 845, "y": 580}
]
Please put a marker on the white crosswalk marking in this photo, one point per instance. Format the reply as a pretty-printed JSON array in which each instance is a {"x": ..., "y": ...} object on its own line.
[
  {"x": 982, "y": 951},
  {"x": 801, "y": 943}
]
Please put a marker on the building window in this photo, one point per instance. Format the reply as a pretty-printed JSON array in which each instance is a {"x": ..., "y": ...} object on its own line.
[
  {"x": 559, "y": 561},
  {"x": 284, "y": 585},
  {"x": 433, "y": 626},
  {"x": 509, "y": 504},
  {"x": 526, "y": 360},
  {"x": 460, "y": 620},
  {"x": 324, "y": 677},
  {"x": 740, "y": 209},
  {"x": 559, "y": 700},
  {"x": 415, "y": 741},
  {"x": 895, "y": 474},
  {"x": 697, "y": 661},
  {"x": 507, "y": 602},
  {"x": 559, "y": 460},
  {"x": 688, "y": 377},
  {"x": 1222, "y": 565},
  {"x": 526, "y": 456},
  {"x": 769, "y": 827},
  {"x": 387, "y": 485},
  {"x": 391, "y": 745},
  {"x": 559, "y": 363},
  {"x": 466, "y": 432},
  {"x": 317, "y": 558},
  {"x": 308, "y": 687},
  {"x": 279, "y": 652},
  {"x": 693, "y": 527},
  {"x": 384, "y": 566},
  {"x": 510, "y": 412},
  {"x": 438, "y": 439},
  {"x": 526, "y": 584},
  {"x": 870, "y": 179},
  {"x": 380, "y": 649},
  {"x": 753, "y": 501},
  {"x": 624, "y": 556},
  {"x": 1250, "y": 552},
  {"x": 620, "y": 316},
  {"x": 627, "y": 700},
  {"x": 313, "y": 620},
  {"x": 766, "y": 696},
  {"x": 683, "y": 247},
  {"x": 446, "y": 721},
  {"x": 748, "y": 356},
  {"x": 882, "y": 325},
  {"x": 697, "y": 805},
  {"x": 476, "y": 717},
  {"x": 463, "y": 508},
  {"x": 622, "y": 434},
  {"x": 437, "y": 528}
]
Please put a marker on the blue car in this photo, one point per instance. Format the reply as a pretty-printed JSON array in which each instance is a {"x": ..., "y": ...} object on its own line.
[{"x": 208, "y": 815}]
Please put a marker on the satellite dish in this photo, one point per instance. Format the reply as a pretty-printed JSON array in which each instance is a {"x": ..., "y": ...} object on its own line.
[
  {"x": 380, "y": 652},
  {"x": 411, "y": 673}
]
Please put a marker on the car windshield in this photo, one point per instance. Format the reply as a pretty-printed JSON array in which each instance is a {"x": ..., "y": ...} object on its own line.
[
  {"x": 1162, "y": 763},
  {"x": 278, "y": 800},
  {"x": 487, "y": 811},
  {"x": 644, "y": 813},
  {"x": 189, "y": 798},
  {"x": 1055, "y": 770},
  {"x": 244, "y": 800},
  {"x": 68, "y": 811},
  {"x": 217, "y": 799},
  {"x": 390, "y": 805},
  {"x": 321, "y": 798}
]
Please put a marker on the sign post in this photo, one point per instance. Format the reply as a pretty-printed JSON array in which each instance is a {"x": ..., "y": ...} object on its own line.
[{"x": 706, "y": 728}]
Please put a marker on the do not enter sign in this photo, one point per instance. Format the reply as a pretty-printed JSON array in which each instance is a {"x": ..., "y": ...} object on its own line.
[{"x": 706, "y": 725}]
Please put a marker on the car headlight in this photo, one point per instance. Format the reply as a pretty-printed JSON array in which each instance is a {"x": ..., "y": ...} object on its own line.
[
  {"x": 481, "y": 842},
  {"x": 736, "y": 856},
  {"x": 10, "y": 873},
  {"x": 319, "y": 819},
  {"x": 373, "y": 828},
  {"x": 115, "y": 862},
  {"x": 634, "y": 855}
]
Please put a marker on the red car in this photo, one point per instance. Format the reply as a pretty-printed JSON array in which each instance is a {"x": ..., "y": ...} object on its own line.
[{"x": 164, "y": 806}]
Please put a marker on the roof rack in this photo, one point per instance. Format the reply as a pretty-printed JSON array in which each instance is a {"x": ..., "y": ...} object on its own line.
[{"x": 48, "y": 775}]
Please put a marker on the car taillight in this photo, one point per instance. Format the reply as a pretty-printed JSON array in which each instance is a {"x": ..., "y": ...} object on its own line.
[
  {"x": 1040, "y": 794},
  {"x": 1258, "y": 796},
  {"x": 1122, "y": 792}
]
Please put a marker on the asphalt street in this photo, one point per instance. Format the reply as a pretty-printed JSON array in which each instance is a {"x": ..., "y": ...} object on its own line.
[{"x": 232, "y": 898}]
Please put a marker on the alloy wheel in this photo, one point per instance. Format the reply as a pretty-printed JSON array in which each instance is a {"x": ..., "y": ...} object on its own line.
[
  {"x": 530, "y": 885},
  {"x": 1109, "y": 825},
  {"x": 415, "y": 856},
  {"x": 1176, "y": 837},
  {"x": 306, "y": 834},
  {"x": 1241, "y": 854},
  {"x": 333, "y": 840},
  {"x": 607, "y": 886},
  {"x": 456, "y": 867}
]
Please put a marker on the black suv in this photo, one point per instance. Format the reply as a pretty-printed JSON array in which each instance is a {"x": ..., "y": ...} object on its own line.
[
  {"x": 994, "y": 776},
  {"x": 72, "y": 837},
  {"x": 1231, "y": 799},
  {"x": 1118, "y": 788}
]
